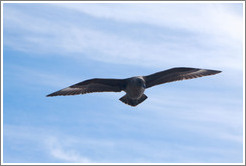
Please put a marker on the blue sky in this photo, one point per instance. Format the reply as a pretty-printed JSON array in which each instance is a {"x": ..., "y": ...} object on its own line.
[{"x": 47, "y": 47}]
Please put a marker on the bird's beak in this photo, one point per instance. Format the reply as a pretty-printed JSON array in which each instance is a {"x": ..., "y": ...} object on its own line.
[{"x": 144, "y": 85}]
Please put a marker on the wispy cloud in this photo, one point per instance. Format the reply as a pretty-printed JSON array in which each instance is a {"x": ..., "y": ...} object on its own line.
[
  {"x": 63, "y": 147},
  {"x": 46, "y": 143},
  {"x": 30, "y": 76},
  {"x": 203, "y": 23},
  {"x": 57, "y": 150},
  {"x": 214, "y": 19}
]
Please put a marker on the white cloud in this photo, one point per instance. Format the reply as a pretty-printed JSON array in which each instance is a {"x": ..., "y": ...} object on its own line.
[
  {"x": 65, "y": 147},
  {"x": 216, "y": 30},
  {"x": 65, "y": 154},
  {"x": 36, "y": 77},
  {"x": 200, "y": 112},
  {"x": 211, "y": 18},
  {"x": 44, "y": 142}
]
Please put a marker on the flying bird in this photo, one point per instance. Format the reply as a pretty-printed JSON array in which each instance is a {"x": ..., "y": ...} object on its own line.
[{"x": 134, "y": 86}]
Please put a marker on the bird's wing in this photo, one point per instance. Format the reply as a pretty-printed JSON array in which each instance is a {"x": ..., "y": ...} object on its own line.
[
  {"x": 92, "y": 85},
  {"x": 176, "y": 74}
]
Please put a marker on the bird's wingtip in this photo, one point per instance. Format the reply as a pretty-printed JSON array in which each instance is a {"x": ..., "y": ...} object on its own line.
[
  {"x": 50, "y": 95},
  {"x": 214, "y": 71},
  {"x": 218, "y": 71}
]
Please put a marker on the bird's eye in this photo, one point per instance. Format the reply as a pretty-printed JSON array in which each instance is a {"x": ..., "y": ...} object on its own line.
[{"x": 138, "y": 82}]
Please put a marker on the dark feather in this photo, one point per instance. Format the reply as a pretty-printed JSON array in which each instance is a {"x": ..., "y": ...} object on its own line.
[
  {"x": 176, "y": 74},
  {"x": 92, "y": 85}
]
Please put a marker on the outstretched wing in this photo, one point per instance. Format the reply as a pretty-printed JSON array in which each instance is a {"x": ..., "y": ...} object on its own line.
[
  {"x": 92, "y": 85},
  {"x": 176, "y": 74}
]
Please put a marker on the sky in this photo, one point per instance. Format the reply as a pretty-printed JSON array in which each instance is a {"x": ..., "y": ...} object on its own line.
[{"x": 49, "y": 46}]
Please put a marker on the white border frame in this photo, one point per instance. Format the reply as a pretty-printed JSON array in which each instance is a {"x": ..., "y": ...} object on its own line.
[{"x": 2, "y": 2}]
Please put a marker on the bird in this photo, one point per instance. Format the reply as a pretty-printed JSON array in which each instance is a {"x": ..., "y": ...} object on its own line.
[{"x": 134, "y": 86}]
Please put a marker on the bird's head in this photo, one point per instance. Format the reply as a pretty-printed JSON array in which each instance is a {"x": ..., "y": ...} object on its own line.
[{"x": 138, "y": 81}]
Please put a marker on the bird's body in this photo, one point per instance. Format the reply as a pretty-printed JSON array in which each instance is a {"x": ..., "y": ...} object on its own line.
[{"x": 134, "y": 86}]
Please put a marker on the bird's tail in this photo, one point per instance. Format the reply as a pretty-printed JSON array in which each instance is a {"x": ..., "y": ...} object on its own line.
[{"x": 133, "y": 102}]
